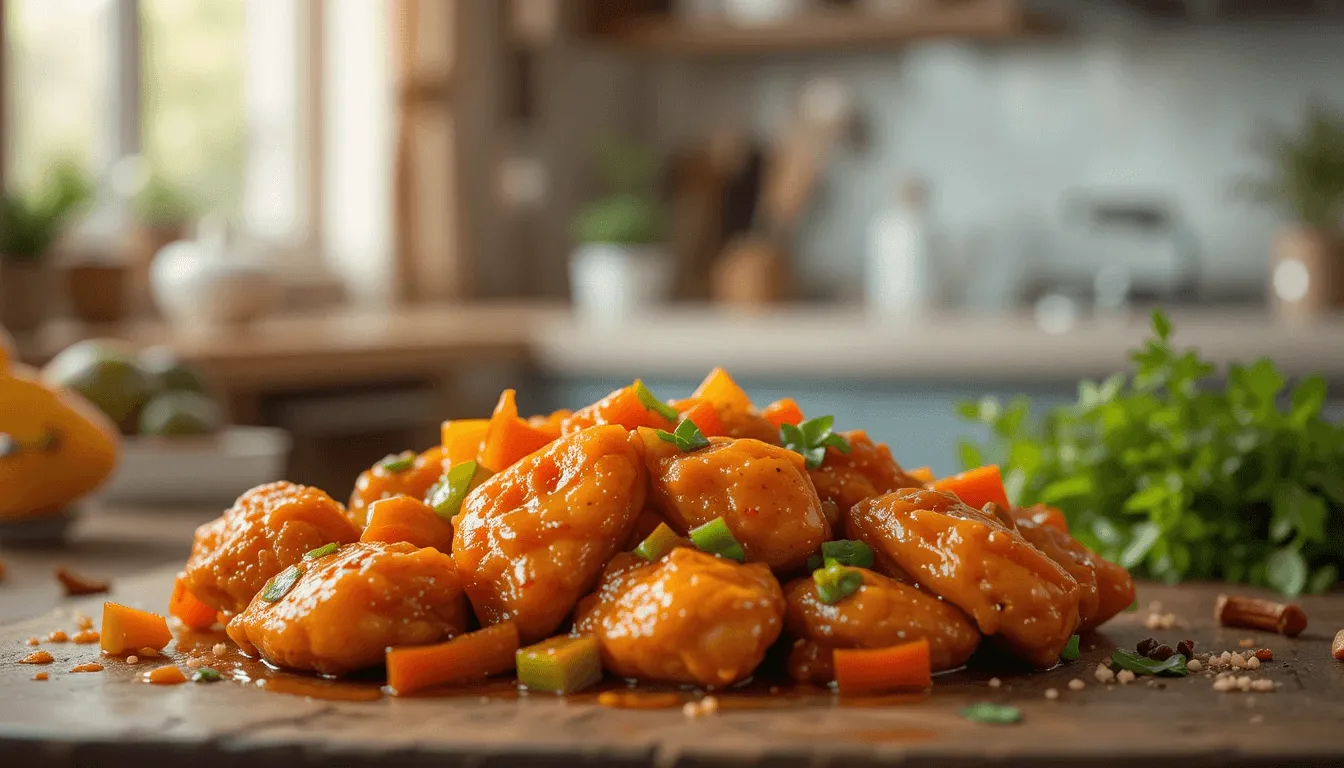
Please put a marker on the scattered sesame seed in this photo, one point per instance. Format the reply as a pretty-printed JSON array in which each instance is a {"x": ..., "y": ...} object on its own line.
[
  {"x": 1051, "y": 693},
  {"x": 995, "y": 682},
  {"x": 220, "y": 649},
  {"x": 1125, "y": 677},
  {"x": 1076, "y": 685},
  {"x": 196, "y": 663},
  {"x": 1246, "y": 642},
  {"x": 132, "y": 659},
  {"x": 1104, "y": 674},
  {"x": 1194, "y": 665}
]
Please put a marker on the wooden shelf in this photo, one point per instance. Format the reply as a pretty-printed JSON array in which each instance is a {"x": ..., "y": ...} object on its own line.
[{"x": 836, "y": 31}]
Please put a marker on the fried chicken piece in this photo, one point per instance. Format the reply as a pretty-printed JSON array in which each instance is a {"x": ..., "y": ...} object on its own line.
[
  {"x": 761, "y": 491},
  {"x": 268, "y": 529},
  {"x": 868, "y": 470},
  {"x": 975, "y": 562},
  {"x": 533, "y": 539},
  {"x": 690, "y": 617},
  {"x": 1105, "y": 588},
  {"x": 349, "y": 607},
  {"x": 883, "y": 612},
  {"x": 379, "y": 482}
]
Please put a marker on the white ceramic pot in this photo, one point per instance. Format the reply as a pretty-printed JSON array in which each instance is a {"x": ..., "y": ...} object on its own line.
[
  {"x": 613, "y": 282},
  {"x": 210, "y": 282}
]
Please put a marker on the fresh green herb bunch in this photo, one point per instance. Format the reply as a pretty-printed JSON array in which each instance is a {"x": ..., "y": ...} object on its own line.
[
  {"x": 1178, "y": 477},
  {"x": 160, "y": 203},
  {"x": 30, "y": 223},
  {"x": 1307, "y": 169}
]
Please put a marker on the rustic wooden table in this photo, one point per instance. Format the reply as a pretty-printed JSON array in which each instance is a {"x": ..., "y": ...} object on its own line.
[{"x": 112, "y": 719}]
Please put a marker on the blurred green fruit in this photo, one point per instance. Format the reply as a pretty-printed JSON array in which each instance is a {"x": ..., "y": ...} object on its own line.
[
  {"x": 106, "y": 374},
  {"x": 181, "y": 414},
  {"x": 173, "y": 375}
]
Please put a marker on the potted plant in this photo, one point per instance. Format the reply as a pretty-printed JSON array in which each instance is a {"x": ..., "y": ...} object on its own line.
[
  {"x": 161, "y": 213},
  {"x": 1307, "y": 182},
  {"x": 621, "y": 263},
  {"x": 30, "y": 224}
]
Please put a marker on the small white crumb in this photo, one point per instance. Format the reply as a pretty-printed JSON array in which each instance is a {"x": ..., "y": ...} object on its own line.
[
  {"x": 220, "y": 649},
  {"x": 1224, "y": 684},
  {"x": 1253, "y": 663},
  {"x": 1257, "y": 719},
  {"x": 1125, "y": 677},
  {"x": 1244, "y": 683},
  {"x": 1051, "y": 693},
  {"x": 1076, "y": 685},
  {"x": 995, "y": 682},
  {"x": 1238, "y": 661},
  {"x": 1225, "y": 676},
  {"x": 1263, "y": 685},
  {"x": 1194, "y": 665},
  {"x": 704, "y": 707},
  {"x": 1155, "y": 607},
  {"x": 132, "y": 659},
  {"x": 196, "y": 663},
  {"x": 1104, "y": 674}
]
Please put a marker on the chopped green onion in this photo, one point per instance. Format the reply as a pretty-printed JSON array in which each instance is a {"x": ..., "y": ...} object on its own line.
[
  {"x": 659, "y": 543},
  {"x": 652, "y": 403},
  {"x": 687, "y": 437},
  {"x": 1070, "y": 652},
  {"x": 560, "y": 664},
  {"x": 836, "y": 582},
  {"x": 205, "y": 675},
  {"x": 1142, "y": 665},
  {"x": 811, "y": 438},
  {"x": 847, "y": 552},
  {"x": 992, "y": 714},
  {"x": 715, "y": 538},
  {"x": 322, "y": 551},
  {"x": 281, "y": 583},
  {"x": 396, "y": 463},
  {"x": 816, "y": 561},
  {"x": 447, "y": 495}
]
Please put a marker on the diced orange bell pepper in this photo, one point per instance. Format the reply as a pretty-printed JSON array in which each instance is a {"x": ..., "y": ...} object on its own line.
[
  {"x": 127, "y": 630},
  {"x": 977, "y": 487},
  {"x": 921, "y": 474},
  {"x": 720, "y": 389},
  {"x": 551, "y": 424},
  {"x": 464, "y": 659},
  {"x": 188, "y": 609},
  {"x": 462, "y": 439},
  {"x": 403, "y": 518},
  {"x": 883, "y": 670},
  {"x": 621, "y": 407},
  {"x": 785, "y": 411},
  {"x": 706, "y": 418},
  {"x": 508, "y": 437},
  {"x": 1043, "y": 514}
]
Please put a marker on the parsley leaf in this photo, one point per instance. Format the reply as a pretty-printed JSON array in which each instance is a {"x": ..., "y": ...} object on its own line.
[
  {"x": 687, "y": 437},
  {"x": 652, "y": 403},
  {"x": 1173, "y": 666}
]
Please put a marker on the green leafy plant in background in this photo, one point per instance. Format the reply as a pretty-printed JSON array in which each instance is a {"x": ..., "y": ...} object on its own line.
[
  {"x": 1179, "y": 476},
  {"x": 1308, "y": 170},
  {"x": 31, "y": 222},
  {"x": 631, "y": 213},
  {"x": 160, "y": 203}
]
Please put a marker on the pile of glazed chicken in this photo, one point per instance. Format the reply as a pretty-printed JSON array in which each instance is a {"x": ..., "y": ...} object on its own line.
[{"x": 548, "y": 522}]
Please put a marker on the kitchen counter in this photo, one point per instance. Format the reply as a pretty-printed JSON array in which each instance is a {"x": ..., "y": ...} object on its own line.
[{"x": 839, "y": 344}]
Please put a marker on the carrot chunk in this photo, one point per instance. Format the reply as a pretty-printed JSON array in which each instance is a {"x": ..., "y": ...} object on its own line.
[
  {"x": 921, "y": 474},
  {"x": 509, "y": 438},
  {"x": 126, "y": 630},
  {"x": 704, "y": 416},
  {"x": 464, "y": 659},
  {"x": 784, "y": 411},
  {"x": 403, "y": 518},
  {"x": 461, "y": 439},
  {"x": 977, "y": 487},
  {"x": 883, "y": 670},
  {"x": 720, "y": 389},
  {"x": 188, "y": 609}
]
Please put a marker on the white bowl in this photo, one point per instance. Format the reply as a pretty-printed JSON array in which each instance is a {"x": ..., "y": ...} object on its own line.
[{"x": 197, "y": 470}]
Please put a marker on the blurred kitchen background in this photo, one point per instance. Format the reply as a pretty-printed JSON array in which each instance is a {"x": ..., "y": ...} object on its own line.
[{"x": 355, "y": 218}]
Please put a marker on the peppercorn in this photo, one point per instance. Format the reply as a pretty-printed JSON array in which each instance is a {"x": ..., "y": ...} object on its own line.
[
  {"x": 1146, "y": 646},
  {"x": 1161, "y": 653},
  {"x": 1186, "y": 648}
]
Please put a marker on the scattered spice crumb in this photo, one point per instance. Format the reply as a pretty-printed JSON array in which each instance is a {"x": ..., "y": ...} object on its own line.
[
  {"x": 1076, "y": 685},
  {"x": 76, "y": 584},
  {"x": 88, "y": 666},
  {"x": 1244, "y": 683},
  {"x": 995, "y": 682},
  {"x": 38, "y": 657},
  {"x": 1224, "y": 684},
  {"x": 40, "y": 676},
  {"x": 1125, "y": 677},
  {"x": 57, "y": 636},
  {"x": 149, "y": 653},
  {"x": 1104, "y": 674},
  {"x": 1253, "y": 663},
  {"x": 1246, "y": 642},
  {"x": 1264, "y": 654},
  {"x": 220, "y": 649},
  {"x": 1194, "y": 665},
  {"x": 702, "y": 708},
  {"x": 132, "y": 659},
  {"x": 196, "y": 663},
  {"x": 83, "y": 622},
  {"x": 1051, "y": 693},
  {"x": 1161, "y": 621},
  {"x": 166, "y": 675},
  {"x": 1238, "y": 661},
  {"x": 1337, "y": 648},
  {"x": 32, "y": 641},
  {"x": 1257, "y": 719},
  {"x": 85, "y": 636}
]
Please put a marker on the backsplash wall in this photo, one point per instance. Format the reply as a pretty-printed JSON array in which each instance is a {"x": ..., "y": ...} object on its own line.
[{"x": 1001, "y": 134}]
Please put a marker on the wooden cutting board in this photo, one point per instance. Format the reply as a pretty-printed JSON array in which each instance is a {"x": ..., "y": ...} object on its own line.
[{"x": 109, "y": 718}]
